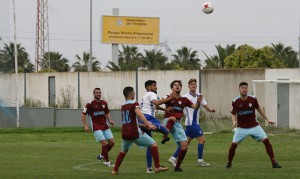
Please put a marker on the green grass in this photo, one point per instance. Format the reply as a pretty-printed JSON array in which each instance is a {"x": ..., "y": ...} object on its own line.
[{"x": 71, "y": 153}]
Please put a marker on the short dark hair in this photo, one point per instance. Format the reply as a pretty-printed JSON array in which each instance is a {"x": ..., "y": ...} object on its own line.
[
  {"x": 149, "y": 83},
  {"x": 243, "y": 84},
  {"x": 192, "y": 80},
  {"x": 175, "y": 81},
  {"x": 127, "y": 90},
  {"x": 96, "y": 89}
]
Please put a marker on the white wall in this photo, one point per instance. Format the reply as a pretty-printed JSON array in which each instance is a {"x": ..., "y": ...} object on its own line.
[{"x": 294, "y": 93}]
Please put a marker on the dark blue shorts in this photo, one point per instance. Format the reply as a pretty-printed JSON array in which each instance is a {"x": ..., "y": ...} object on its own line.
[{"x": 193, "y": 131}]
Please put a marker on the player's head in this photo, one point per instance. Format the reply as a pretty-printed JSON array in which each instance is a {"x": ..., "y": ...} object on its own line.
[
  {"x": 128, "y": 93},
  {"x": 176, "y": 86},
  {"x": 243, "y": 87},
  {"x": 97, "y": 93},
  {"x": 150, "y": 85},
  {"x": 192, "y": 84}
]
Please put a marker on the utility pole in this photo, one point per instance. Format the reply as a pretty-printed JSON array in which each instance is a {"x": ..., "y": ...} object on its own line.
[
  {"x": 42, "y": 36},
  {"x": 90, "y": 66},
  {"x": 115, "y": 47}
]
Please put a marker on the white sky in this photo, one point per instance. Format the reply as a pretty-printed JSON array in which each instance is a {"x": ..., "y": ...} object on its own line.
[{"x": 182, "y": 23}]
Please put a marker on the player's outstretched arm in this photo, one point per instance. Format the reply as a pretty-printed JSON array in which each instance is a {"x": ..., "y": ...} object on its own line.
[
  {"x": 262, "y": 113},
  {"x": 164, "y": 100},
  {"x": 209, "y": 109},
  {"x": 141, "y": 116},
  {"x": 83, "y": 119}
]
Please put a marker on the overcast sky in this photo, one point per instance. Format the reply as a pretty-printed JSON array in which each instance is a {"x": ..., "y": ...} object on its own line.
[{"x": 182, "y": 23}]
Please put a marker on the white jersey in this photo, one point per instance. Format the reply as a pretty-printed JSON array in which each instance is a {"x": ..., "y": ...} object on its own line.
[
  {"x": 146, "y": 104},
  {"x": 192, "y": 115}
]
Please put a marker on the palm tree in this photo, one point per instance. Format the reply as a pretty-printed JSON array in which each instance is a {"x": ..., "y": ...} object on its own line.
[
  {"x": 7, "y": 57},
  {"x": 129, "y": 59},
  {"x": 286, "y": 55},
  {"x": 186, "y": 59},
  {"x": 57, "y": 63},
  {"x": 83, "y": 62},
  {"x": 155, "y": 60},
  {"x": 217, "y": 61}
]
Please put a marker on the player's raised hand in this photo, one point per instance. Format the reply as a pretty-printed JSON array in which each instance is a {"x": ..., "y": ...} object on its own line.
[
  {"x": 212, "y": 110},
  {"x": 200, "y": 97},
  {"x": 173, "y": 95}
]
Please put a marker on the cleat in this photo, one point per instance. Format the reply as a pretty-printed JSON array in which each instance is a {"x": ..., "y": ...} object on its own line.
[
  {"x": 100, "y": 157},
  {"x": 115, "y": 173},
  {"x": 109, "y": 164},
  {"x": 228, "y": 165},
  {"x": 276, "y": 165},
  {"x": 149, "y": 171},
  {"x": 203, "y": 164},
  {"x": 178, "y": 170},
  {"x": 172, "y": 161},
  {"x": 161, "y": 169},
  {"x": 164, "y": 140}
]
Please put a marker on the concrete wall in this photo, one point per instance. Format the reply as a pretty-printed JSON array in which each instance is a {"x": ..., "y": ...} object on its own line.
[{"x": 220, "y": 87}]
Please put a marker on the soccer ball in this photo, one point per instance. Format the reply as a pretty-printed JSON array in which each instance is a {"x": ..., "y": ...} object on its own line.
[{"x": 207, "y": 7}]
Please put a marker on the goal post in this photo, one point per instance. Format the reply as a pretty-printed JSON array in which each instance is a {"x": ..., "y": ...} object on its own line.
[{"x": 281, "y": 100}]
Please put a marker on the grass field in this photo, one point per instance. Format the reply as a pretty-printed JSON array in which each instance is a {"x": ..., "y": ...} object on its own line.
[{"x": 71, "y": 153}]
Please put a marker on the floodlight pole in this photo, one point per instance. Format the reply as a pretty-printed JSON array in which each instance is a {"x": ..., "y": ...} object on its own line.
[
  {"x": 90, "y": 66},
  {"x": 16, "y": 66},
  {"x": 115, "y": 47}
]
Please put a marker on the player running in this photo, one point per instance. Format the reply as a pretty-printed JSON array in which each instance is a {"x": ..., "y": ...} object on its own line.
[
  {"x": 148, "y": 106},
  {"x": 98, "y": 110},
  {"x": 178, "y": 104},
  {"x": 193, "y": 129},
  {"x": 243, "y": 115},
  {"x": 131, "y": 133}
]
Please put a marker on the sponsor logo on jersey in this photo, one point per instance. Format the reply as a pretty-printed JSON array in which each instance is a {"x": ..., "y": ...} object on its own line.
[{"x": 98, "y": 113}]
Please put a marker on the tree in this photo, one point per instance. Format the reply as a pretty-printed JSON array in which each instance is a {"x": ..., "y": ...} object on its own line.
[
  {"x": 186, "y": 59},
  {"x": 217, "y": 61},
  {"x": 129, "y": 59},
  {"x": 155, "y": 60},
  {"x": 83, "y": 63},
  {"x": 7, "y": 58},
  {"x": 248, "y": 57},
  {"x": 57, "y": 63},
  {"x": 286, "y": 54}
]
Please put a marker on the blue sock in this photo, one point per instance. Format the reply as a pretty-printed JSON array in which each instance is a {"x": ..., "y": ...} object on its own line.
[
  {"x": 176, "y": 152},
  {"x": 149, "y": 157},
  {"x": 162, "y": 129},
  {"x": 200, "y": 150}
]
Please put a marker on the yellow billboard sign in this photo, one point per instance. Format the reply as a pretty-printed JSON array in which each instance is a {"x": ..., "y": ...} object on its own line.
[{"x": 130, "y": 30}]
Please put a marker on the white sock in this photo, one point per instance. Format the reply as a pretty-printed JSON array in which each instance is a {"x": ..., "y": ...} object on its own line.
[
  {"x": 173, "y": 158},
  {"x": 200, "y": 160}
]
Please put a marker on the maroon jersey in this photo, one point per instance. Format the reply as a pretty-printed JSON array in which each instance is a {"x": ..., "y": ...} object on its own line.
[
  {"x": 245, "y": 111},
  {"x": 97, "y": 111},
  {"x": 130, "y": 130},
  {"x": 177, "y": 105}
]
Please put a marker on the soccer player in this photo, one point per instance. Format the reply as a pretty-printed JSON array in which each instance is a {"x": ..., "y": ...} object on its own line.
[
  {"x": 98, "y": 110},
  {"x": 131, "y": 133},
  {"x": 244, "y": 119},
  {"x": 178, "y": 104},
  {"x": 148, "y": 106},
  {"x": 193, "y": 129}
]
